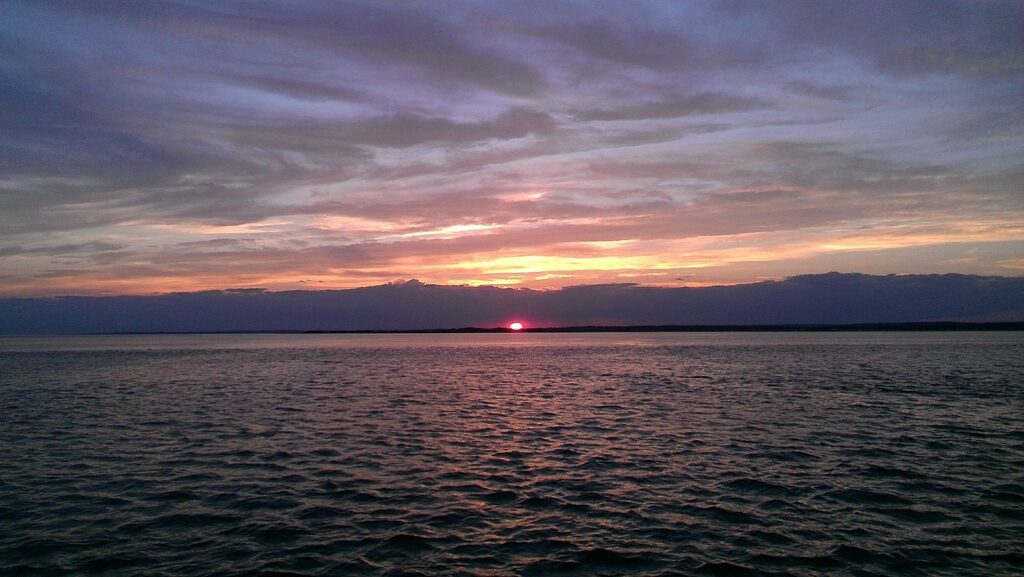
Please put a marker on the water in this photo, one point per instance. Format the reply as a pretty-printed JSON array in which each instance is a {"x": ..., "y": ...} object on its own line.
[{"x": 601, "y": 454}]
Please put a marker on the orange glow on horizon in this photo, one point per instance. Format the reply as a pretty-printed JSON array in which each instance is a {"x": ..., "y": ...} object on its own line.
[{"x": 552, "y": 264}]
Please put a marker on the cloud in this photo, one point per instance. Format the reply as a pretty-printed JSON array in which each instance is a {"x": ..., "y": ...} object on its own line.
[
  {"x": 645, "y": 47},
  {"x": 63, "y": 249},
  {"x": 403, "y": 36},
  {"x": 814, "y": 90},
  {"x": 297, "y": 88},
  {"x": 343, "y": 143},
  {"x": 918, "y": 37},
  {"x": 705, "y": 103},
  {"x": 401, "y": 131},
  {"x": 814, "y": 299}
]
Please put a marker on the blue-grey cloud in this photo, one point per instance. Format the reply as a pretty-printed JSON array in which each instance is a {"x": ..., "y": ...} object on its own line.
[
  {"x": 339, "y": 127},
  {"x": 813, "y": 299},
  {"x": 915, "y": 37},
  {"x": 704, "y": 103}
]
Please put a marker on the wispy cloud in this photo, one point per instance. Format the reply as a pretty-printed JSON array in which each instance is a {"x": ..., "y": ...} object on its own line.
[{"x": 149, "y": 146}]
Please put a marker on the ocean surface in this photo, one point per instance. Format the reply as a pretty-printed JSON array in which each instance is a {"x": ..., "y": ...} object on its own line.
[{"x": 513, "y": 454}]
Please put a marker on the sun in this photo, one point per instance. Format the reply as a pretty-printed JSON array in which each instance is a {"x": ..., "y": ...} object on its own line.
[{"x": 516, "y": 326}]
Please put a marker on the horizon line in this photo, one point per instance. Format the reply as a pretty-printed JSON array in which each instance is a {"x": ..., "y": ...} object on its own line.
[{"x": 911, "y": 326}]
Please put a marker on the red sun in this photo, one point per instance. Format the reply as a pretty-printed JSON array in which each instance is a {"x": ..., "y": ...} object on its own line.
[{"x": 516, "y": 326}]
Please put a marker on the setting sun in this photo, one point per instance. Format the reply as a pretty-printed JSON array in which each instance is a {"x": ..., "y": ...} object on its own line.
[{"x": 515, "y": 326}]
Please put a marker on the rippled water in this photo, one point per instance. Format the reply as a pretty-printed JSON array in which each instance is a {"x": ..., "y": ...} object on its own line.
[{"x": 655, "y": 454}]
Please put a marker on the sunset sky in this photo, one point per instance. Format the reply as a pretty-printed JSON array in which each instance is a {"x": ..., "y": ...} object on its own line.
[{"x": 149, "y": 147}]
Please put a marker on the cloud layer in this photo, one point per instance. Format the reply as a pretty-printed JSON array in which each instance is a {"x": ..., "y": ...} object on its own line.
[
  {"x": 160, "y": 146},
  {"x": 808, "y": 299}
]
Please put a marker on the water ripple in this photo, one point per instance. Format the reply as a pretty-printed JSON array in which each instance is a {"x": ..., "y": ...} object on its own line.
[{"x": 677, "y": 459}]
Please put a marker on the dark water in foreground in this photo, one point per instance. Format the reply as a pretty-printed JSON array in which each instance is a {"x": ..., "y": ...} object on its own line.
[{"x": 605, "y": 454}]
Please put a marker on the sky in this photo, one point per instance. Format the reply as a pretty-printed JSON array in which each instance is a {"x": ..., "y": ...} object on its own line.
[{"x": 151, "y": 147}]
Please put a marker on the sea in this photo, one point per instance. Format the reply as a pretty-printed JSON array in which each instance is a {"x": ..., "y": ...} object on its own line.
[{"x": 657, "y": 454}]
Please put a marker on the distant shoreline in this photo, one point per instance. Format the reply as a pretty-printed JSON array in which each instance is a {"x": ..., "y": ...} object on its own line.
[
  {"x": 918, "y": 326},
  {"x": 780, "y": 328}
]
